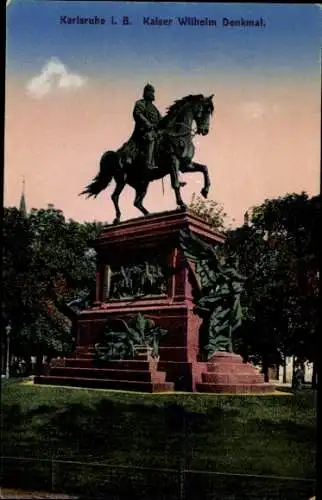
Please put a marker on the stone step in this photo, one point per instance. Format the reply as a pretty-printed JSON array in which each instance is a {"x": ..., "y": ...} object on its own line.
[
  {"x": 235, "y": 388},
  {"x": 229, "y": 378},
  {"x": 82, "y": 349},
  {"x": 111, "y": 374},
  {"x": 122, "y": 364},
  {"x": 96, "y": 383},
  {"x": 90, "y": 354},
  {"x": 85, "y": 355},
  {"x": 142, "y": 351},
  {"x": 229, "y": 367},
  {"x": 166, "y": 354},
  {"x": 225, "y": 357}
]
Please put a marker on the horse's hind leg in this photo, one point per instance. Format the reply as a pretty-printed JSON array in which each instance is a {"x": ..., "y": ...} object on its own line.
[
  {"x": 140, "y": 193},
  {"x": 120, "y": 183}
]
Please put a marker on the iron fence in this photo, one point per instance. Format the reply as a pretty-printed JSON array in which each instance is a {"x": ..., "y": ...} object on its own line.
[{"x": 118, "y": 481}]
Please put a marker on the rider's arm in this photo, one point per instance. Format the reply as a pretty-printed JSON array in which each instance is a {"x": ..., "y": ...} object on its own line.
[
  {"x": 159, "y": 115},
  {"x": 138, "y": 115}
]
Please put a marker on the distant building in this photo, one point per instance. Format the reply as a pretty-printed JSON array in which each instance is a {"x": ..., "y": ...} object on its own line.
[
  {"x": 22, "y": 204},
  {"x": 276, "y": 373}
]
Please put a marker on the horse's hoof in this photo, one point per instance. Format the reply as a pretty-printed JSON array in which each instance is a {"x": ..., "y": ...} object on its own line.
[
  {"x": 116, "y": 221},
  {"x": 205, "y": 192},
  {"x": 183, "y": 207}
]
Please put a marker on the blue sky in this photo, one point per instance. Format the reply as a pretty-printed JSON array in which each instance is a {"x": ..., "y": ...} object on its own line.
[
  {"x": 77, "y": 85},
  {"x": 289, "y": 45}
]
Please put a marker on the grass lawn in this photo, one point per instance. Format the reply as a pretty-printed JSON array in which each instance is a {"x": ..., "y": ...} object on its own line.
[{"x": 231, "y": 435}]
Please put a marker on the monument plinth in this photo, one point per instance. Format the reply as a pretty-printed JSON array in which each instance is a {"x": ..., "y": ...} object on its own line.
[
  {"x": 227, "y": 373},
  {"x": 141, "y": 269}
]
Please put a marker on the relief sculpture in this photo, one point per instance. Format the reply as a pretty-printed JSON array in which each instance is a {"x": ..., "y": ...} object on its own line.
[{"x": 136, "y": 280}]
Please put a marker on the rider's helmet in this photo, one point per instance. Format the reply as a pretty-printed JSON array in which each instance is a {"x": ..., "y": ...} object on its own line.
[{"x": 148, "y": 92}]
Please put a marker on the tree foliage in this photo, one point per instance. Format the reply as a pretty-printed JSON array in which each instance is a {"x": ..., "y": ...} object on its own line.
[
  {"x": 122, "y": 339},
  {"x": 47, "y": 263},
  {"x": 16, "y": 260},
  {"x": 278, "y": 252},
  {"x": 209, "y": 210}
]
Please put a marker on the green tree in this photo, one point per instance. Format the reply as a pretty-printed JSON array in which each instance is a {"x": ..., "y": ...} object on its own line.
[
  {"x": 278, "y": 252},
  {"x": 62, "y": 264},
  {"x": 259, "y": 338},
  {"x": 209, "y": 210},
  {"x": 47, "y": 263},
  {"x": 280, "y": 255},
  {"x": 17, "y": 260}
]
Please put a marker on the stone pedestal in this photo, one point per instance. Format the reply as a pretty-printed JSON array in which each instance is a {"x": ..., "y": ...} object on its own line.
[
  {"x": 227, "y": 373},
  {"x": 143, "y": 257},
  {"x": 152, "y": 239}
]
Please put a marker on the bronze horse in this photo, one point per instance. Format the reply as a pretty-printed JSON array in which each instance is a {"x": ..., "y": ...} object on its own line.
[{"x": 174, "y": 151}]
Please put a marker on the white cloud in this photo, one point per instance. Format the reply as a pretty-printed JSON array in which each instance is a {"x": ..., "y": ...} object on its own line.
[
  {"x": 54, "y": 75},
  {"x": 252, "y": 110}
]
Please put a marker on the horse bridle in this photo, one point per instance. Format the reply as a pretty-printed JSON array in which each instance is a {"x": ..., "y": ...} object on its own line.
[{"x": 192, "y": 131}]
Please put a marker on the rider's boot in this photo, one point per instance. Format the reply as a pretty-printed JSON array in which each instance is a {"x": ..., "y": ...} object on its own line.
[
  {"x": 150, "y": 160},
  {"x": 151, "y": 166}
]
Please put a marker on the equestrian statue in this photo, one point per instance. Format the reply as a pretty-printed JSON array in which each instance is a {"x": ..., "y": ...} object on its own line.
[{"x": 159, "y": 146}]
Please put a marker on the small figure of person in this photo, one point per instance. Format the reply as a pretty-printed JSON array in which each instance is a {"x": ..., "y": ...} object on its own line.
[
  {"x": 33, "y": 364},
  {"x": 298, "y": 379}
]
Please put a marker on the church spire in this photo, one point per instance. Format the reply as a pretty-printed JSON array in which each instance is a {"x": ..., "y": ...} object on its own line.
[{"x": 22, "y": 205}]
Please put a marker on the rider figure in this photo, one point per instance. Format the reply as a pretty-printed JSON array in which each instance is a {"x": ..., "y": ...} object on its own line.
[{"x": 147, "y": 118}]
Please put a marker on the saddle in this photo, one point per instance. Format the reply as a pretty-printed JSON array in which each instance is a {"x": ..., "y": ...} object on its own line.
[{"x": 132, "y": 149}]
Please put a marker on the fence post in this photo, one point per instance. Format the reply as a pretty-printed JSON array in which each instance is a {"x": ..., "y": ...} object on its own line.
[
  {"x": 182, "y": 475},
  {"x": 53, "y": 476}
]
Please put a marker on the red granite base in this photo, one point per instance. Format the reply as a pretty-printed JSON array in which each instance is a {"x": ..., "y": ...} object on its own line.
[
  {"x": 172, "y": 308},
  {"x": 140, "y": 374},
  {"x": 227, "y": 373},
  {"x": 96, "y": 383}
]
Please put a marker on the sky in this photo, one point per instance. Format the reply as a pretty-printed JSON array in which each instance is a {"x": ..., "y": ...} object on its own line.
[{"x": 71, "y": 88}]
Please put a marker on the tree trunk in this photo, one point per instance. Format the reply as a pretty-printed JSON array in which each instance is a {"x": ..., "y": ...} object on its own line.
[
  {"x": 39, "y": 366},
  {"x": 284, "y": 370},
  {"x": 265, "y": 370},
  {"x": 314, "y": 376},
  {"x": 3, "y": 360},
  {"x": 293, "y": 371}
]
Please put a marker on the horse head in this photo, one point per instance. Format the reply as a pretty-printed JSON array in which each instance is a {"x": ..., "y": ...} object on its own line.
[
  {"x": 199, "y": 107},
  {"x": 203, "y": 110}
]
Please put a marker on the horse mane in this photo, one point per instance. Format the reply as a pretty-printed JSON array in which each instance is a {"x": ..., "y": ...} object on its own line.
[{"x": 173, "y": 110}]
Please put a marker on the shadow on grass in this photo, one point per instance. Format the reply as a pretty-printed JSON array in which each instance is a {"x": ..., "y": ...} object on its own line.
[{"x": 166, "y": 437}]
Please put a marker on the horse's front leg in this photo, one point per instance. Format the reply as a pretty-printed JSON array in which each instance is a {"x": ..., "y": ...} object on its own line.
[
  {"x": 140, "y": 193},
  {"x": 198, "y": 167},
  {"x": 175, "y": 184}
]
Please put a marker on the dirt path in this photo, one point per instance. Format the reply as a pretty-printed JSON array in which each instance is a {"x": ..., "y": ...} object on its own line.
[{"x": 14, "y": 493}]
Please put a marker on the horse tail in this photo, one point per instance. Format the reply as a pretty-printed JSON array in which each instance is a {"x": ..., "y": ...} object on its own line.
[{"x": 108, "y": 166}]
